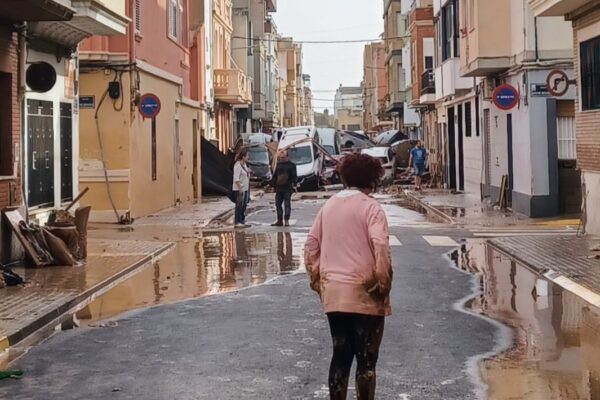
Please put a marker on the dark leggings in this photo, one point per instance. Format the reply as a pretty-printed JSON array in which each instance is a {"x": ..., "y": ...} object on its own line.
[{"x": 354, "y": 335}]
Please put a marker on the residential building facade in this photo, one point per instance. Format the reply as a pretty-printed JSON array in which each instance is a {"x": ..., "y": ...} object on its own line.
[
  {"x": 530, "y": 143},
  {"x": 375, "y": 117},
  {"x": 584, "y": 18},
  {"x": 136, "y": 163},
  {"x": 348, "y": 108},
  {"x": 295, "y": 100},
  {"x": 395, "y": 35},
  {"x": 254, "y": 51}
]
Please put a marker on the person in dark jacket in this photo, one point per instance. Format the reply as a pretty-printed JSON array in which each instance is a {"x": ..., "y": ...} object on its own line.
[{"x": 285, "y": 179}]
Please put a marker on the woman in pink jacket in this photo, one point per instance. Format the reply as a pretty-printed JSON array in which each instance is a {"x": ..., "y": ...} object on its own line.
[{"x": 348, "y": 260}]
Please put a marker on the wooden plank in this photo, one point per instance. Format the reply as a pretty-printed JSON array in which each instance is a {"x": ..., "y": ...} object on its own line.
[
  {"x": 503, "y": 187},
  {"x": 14, "y": 217}
]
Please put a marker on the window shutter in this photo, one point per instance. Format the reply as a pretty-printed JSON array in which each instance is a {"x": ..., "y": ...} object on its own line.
[{"x": 138, "y": 15}]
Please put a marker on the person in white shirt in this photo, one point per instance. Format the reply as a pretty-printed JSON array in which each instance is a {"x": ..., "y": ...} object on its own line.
[{"x": 241, "y": 188}]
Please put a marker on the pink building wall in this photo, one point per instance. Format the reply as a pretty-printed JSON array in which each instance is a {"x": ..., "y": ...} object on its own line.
[{"x": 154, "y": 46}]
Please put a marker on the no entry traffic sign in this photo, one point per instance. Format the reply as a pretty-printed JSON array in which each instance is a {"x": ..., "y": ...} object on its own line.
[
  {"x": 149, "y": 105},
  {"x": 505, "y": 97}
]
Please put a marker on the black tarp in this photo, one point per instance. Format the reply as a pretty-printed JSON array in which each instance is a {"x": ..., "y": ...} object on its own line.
[{"x": 217, "y": 170}]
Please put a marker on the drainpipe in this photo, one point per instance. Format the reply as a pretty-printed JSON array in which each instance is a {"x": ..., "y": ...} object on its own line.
[
  {"x": 22, "y": 64},
  {"x": 537, "y": 50}
]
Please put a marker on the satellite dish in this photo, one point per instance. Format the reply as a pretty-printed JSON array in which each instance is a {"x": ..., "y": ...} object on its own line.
[{"x": 40, "y": 77}]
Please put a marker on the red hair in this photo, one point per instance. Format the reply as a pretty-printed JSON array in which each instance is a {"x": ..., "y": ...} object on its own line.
[{"x": 361, "y": 171}]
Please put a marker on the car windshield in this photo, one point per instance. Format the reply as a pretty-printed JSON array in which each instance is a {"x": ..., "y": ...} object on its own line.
[
  {"x": 300, "y": 155},
  {"x": 330, "y": 149},
  {"x": 258, "y": 156}
]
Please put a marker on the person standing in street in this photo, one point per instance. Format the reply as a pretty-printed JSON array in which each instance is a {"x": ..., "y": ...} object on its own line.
[
  {"x": 418, "y": 160},
  {"x": 348, "y": 260},
  {"x": 285, "y": 178},
  {"x": 241, "y": 188}
]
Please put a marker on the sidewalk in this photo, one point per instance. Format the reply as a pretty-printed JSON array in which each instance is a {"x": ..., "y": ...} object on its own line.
[
  {"x": 569, "y": 261},
  {"x": 468, "y": 210},
  {"x": 115, "y": 252}
]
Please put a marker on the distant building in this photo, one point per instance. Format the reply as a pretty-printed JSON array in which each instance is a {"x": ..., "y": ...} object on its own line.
[
  {"x": 348, "y": 108},
  {"x": 324, "y": 119},
  {"x": 375, "y": 118}
]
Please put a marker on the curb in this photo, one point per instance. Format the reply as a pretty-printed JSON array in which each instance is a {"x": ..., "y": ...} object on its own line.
[
  {"x": 41, "y": 327},
  {"x": 430, "y": 208}
]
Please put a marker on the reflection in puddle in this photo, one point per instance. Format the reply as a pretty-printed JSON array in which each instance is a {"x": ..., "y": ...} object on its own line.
[
  {"x": 213, "y": 263},
  {"x": 556, "y": 349}
]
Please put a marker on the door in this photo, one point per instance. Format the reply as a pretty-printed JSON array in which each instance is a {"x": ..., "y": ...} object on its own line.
[
  {"x": 195, "y": 160},
  {"x": 509, "y": 141},
  {"x": 487, "y": 146},
  {"x": 461, "y": 153},
  {"x": 451, "y": 148},
  {"x": 569, "y": 177},
  {"x": 66, "y": 152},
  {"x": 177, "y": 163},
  {"x": 40, "y": 153}
]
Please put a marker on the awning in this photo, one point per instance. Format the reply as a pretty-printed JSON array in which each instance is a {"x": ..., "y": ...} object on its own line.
[{"x": 35, "y": 10}]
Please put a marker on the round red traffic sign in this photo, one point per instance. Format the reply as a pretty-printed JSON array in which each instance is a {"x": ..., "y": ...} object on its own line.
[
  {"x": 149, "y": 105},
  {"x": 505, "y": 97},
  {"x": 558, "y": 83}
]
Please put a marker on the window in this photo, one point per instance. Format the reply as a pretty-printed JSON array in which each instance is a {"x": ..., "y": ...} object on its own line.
[
  {"x": 6, "y": 127},
  {"x": 477, "y": 132},
  {"x": 590, "y": 74},
  {"x": 468, "y": 120},
  {"x": 450, "y": 30},
  {"x": 428, "y": 62},
  {"x": 176, "y": 20},
  {"x": 456, "y": 28},
  {"x": 401, "y": 23},
  {"x": 138, "y": 15},
  {"x": 471, "y": 14}
]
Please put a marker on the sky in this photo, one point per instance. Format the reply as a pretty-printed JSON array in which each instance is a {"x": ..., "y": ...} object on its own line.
[{"x": 316, "y": 20}]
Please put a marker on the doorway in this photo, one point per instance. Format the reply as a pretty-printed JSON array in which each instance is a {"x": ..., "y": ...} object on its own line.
[
  {"x": 452, "y": 148},
  {"x": 66, "y": 152},
  {"x": 509, "y": 144},
  {"x": 569, "y": 177},
  {"x": 195, "y": 161},
  {"x": 461, "y": 155},
  {"x": 40, "y": 153}
]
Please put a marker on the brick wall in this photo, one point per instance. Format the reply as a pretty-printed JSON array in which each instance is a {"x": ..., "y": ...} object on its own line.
[
  {"x": 587, "y": 122},
  {"x": 10, "y": 188}
]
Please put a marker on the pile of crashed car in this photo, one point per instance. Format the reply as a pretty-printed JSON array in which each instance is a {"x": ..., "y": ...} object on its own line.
[{"x": 318, "y": 151}]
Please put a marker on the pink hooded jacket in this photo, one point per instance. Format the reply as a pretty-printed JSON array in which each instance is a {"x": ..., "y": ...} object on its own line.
[{"x": 347, "y": 255}]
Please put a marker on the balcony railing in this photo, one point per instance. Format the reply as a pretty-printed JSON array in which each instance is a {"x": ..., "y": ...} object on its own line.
[
  {"x": 232, "y": 86},
  {"x": 428, "y": 82}
]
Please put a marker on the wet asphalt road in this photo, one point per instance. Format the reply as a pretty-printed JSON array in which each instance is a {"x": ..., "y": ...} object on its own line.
[{"x": 271, "y": 341}]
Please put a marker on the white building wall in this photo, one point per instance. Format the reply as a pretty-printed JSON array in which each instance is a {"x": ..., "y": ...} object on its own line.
[
  {"x": 56, "y": 96},
  {"x": 591, "y": 182}
]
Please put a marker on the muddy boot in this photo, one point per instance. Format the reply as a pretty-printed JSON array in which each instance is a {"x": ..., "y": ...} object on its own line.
[
  {"x": 278, "y": 223},
  {"x": 286, "y": 223}
]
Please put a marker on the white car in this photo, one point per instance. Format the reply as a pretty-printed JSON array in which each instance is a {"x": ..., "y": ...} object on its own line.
[{"x": 386, "y": 156}]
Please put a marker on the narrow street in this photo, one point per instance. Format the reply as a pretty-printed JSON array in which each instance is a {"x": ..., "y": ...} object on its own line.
[{"x": 269, "y": 341}]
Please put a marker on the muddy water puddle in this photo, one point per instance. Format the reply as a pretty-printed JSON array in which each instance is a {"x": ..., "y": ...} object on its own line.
[
  {"x": 555, "y": 353},
  {"x": 212, "y": 263}
]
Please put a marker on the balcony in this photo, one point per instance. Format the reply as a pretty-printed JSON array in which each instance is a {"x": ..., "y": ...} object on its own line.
[
  {"x": 484, "y": 49},
  {"x": 91, "y": 18},
  {"x": 35, "y": 10},
  {"x": 271, "y": 5},
  {"x": 232, "y": 86},
  {"x": 448, "y": 81},
  {"x": 427, "y": 87},
  {"x": 556, "y": 8}
]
